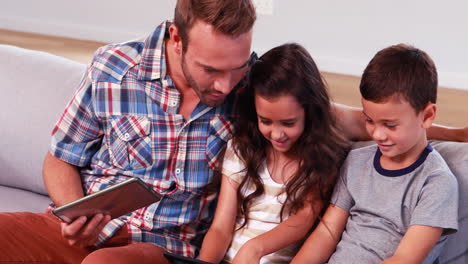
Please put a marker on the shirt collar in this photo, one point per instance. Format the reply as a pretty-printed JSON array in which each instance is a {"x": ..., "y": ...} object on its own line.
[{"x": 153, "y": 60}]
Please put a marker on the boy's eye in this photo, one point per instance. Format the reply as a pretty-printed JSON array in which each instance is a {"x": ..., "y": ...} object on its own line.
[
  {"x": 369, "y": 121},
  {"x": 390, "y": 125}
]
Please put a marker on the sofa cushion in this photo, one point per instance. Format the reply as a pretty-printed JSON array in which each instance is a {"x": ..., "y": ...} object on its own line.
[
  {"x": 35, "y": 88},
  {"x": 456, "y": 156},
  {"x": 17, "y": 200}
]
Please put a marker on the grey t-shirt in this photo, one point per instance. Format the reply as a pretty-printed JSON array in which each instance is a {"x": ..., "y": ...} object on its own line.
[{"x": 383, "y": 204}]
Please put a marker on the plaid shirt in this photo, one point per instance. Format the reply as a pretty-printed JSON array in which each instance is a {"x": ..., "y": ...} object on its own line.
[{"x": 123, "y": 122}]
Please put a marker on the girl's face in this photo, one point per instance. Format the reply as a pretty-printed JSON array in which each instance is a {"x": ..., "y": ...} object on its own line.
[{"x": 280, "y": 120}]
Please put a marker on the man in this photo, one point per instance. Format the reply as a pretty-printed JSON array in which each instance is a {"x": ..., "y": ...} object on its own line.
[{"x": 158, "y": 109}]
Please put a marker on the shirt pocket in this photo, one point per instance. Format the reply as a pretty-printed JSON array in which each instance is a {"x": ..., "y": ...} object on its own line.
[
  {"x": 130, "y": 142},
  {"x": 220, "y": 131}
]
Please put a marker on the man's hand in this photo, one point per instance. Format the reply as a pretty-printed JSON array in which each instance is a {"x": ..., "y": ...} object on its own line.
[{"x": 84, "y": 234}]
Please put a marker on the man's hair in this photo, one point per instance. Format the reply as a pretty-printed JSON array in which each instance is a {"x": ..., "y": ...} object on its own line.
[
  {"x": 230, "y": 17},
  {"x": 403, "y": 71}
]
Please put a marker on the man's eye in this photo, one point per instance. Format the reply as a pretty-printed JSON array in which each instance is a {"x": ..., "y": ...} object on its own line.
[{"x": 211, "y": 70}]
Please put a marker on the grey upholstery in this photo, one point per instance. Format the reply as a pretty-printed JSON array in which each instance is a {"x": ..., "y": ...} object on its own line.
[{"x": 34, "y": 89}]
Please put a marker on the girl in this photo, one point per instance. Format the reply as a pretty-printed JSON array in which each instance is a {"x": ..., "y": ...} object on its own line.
[{"x": 280, "y": 167}]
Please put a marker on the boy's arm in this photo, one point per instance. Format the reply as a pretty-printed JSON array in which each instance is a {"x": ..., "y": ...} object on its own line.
[
  {"x": 322, "y": 242},
  {"x": 351, "y": 121},
  {"x": 415, "y": 245},
  {"x": 286, "y": 233},
  {"x": 219, "y": 236}
]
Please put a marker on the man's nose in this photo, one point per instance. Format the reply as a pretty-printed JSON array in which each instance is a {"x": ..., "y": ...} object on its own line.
[{"x": 225, "y": 83}]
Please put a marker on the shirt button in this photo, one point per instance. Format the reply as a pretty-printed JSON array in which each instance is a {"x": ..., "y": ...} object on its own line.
[
  {"x": 173, "y": 103},
  {"x": 127, "y": 136},
  {"x": 177, "y": 171}
]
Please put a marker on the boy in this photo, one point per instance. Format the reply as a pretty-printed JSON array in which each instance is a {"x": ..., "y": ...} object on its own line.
[{"x": 395, "y": 201}]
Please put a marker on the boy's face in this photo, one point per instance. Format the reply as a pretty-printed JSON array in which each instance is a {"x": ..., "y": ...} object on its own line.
[{"x": 398, "y": 130}]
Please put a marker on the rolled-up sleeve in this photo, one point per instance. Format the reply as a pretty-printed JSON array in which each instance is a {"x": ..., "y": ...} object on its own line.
[{"x": 77, "y": 134}]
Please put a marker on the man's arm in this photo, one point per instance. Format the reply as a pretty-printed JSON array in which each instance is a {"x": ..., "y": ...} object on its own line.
[
  {"x": 62, "y": 180},
  {"x": 63, "y": 183},
  {"x": 415, "y": 245},
  {"x": 351, "y": 121},
  {"x": 322, "y": 242},
  {"x": 448, "y": 133}
]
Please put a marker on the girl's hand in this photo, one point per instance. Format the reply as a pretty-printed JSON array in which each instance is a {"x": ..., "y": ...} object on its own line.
[{"x": 249, "y": 253}]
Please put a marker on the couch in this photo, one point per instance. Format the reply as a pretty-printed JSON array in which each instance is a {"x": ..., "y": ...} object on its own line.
[{"x": 35, "y": 88}]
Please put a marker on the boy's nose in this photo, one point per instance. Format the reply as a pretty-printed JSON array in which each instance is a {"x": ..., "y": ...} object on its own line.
[{"x": 378, "y": 134}]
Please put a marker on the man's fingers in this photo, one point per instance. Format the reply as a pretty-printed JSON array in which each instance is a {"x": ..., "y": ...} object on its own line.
[
  {"x": 92, "y": 226},
  {"x": 72, "y": 229},
  {"x": 81, "y": 233}
]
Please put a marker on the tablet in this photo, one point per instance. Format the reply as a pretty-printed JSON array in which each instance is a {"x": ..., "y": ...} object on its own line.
[
  {"x": 117, "y": 200},
  {"x": 179, "y": 259}
]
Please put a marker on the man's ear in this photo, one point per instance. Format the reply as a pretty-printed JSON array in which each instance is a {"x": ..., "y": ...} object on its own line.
[
  {"x": 176, "y": 41},
  {"x": 429, "y": 114}
]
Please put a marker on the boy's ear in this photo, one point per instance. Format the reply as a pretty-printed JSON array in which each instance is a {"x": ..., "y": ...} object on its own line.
[
  {"x": 429, "y": 114},
  {"x": 176, "y": 41}
]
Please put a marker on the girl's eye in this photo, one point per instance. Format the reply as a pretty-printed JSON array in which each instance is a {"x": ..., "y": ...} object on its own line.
[
  {"x": 289, "y": 124},
  {"x": 390, "y": 125},
  {"x": 266, "y": 122}
]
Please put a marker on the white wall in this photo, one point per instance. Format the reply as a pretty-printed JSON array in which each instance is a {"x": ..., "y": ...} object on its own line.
[
  {"x": 100, "y": 20},
  {"x": 342, "y": 36}
]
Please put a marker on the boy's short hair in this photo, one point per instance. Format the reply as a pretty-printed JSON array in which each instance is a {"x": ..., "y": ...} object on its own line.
[
  {"x": 401, "y": 70},
  {"x": 230, "y": 17}
]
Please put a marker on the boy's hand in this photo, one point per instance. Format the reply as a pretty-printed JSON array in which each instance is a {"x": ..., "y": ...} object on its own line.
[{"x": 83, "y": 234}]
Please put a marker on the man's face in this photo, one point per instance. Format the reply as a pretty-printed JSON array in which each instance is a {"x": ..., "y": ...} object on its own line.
[{"x": 214, "y": 63}]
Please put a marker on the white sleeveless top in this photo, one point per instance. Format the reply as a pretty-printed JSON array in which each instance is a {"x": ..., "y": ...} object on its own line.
[{"x": 264, "y": 211}]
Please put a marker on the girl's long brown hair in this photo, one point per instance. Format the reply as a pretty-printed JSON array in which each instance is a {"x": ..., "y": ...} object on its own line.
[{"x": 290, "y": 70}]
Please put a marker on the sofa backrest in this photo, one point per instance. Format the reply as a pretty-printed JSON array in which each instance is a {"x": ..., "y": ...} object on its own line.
[{"x": 35, "y": 87}]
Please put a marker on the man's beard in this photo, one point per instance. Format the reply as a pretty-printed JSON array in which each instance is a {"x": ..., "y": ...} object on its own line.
[{"x": 194, "y": 85}]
